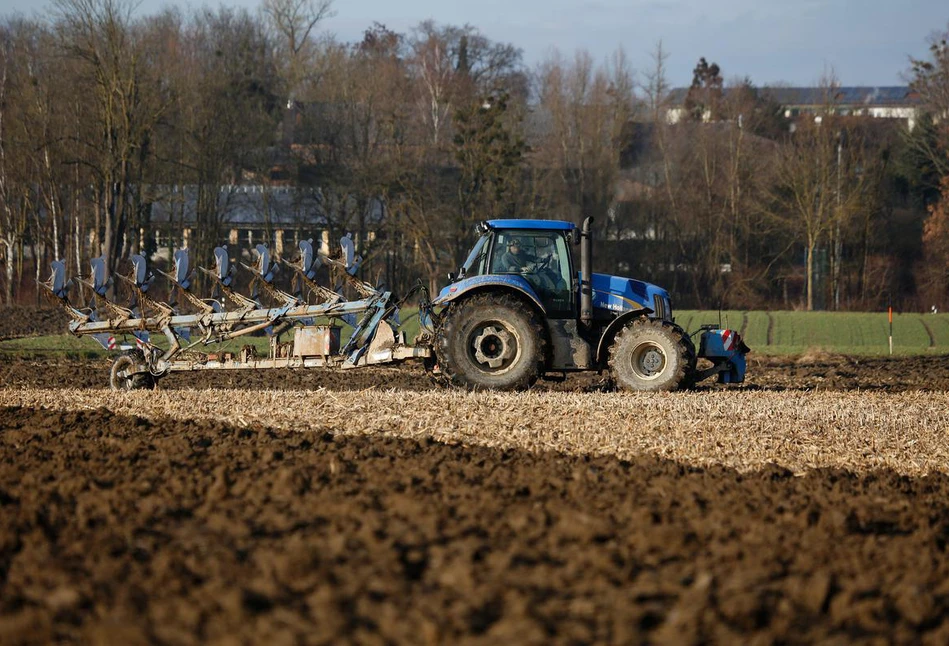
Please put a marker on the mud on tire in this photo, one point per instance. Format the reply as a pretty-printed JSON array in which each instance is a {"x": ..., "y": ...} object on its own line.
[
  {"x": 652, "y": 355},
  {"x": 127, "y": 361},
  {"x": 491, "y": 341},
  {"x": 690, "y": 374}
]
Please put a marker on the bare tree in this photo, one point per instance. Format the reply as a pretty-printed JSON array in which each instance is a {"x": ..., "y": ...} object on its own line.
[
  {"x": 814, "y": 195},
  {"x": 436, "y": 72},
  {"x": 934, "y": 275},
  {"x": 586, "y": 108},
  {"x": 930, "y": 78},
  {"x": 101, "y": 36},
  {"x": 422, "y": 214},
  {"x": 930, "y": 143},
  {"x": 43, "y": 120},
  {"x": 657, "y": 90},
  {"x": 15, "y": 193},
  {"x": 226, "y": 115},
  {"x": 293, "y": 24},
  {"x": 357, "y": 128},
  {"x": 453, "y": 66}
]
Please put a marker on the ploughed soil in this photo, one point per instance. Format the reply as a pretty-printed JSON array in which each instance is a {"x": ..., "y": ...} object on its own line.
[
  {"x": 812, "y": 372},
  {"x": 126, "y": 530}
]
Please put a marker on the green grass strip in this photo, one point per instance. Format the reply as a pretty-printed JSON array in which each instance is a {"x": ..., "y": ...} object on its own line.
[{"x": 791, "y": 333}]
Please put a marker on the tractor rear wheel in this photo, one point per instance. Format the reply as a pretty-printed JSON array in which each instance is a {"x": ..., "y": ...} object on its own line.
[
  {"x": 491, "y": 341},
  {"x": 652, "y": 355},
  {"x": 125, "y": 362}
]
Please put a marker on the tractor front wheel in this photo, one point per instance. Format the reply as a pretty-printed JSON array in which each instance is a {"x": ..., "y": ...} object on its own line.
[
  {"x": 651, "y": 355},
  {"x": 492, "y": 341}
]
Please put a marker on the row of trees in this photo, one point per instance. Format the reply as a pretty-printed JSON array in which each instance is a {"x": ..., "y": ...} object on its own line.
[
  {"x": 930, "y": 152},
  {"x": 412, "y": 138}
]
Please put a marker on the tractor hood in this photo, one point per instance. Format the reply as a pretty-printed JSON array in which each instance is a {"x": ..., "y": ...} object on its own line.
[{"x": 618, "y": 294}]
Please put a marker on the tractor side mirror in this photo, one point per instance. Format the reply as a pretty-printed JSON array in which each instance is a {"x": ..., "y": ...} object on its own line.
[{"x": 576, "y": 236}]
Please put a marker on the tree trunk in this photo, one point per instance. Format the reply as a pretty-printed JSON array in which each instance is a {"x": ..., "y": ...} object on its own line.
[
  {"x": 10, "y": 244},
  {"x": 811, "y": 245},
  {"x": 77, "y": 240}
]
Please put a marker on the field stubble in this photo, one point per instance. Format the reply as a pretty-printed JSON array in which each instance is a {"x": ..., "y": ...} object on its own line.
[{"x": 905, "y": 432}]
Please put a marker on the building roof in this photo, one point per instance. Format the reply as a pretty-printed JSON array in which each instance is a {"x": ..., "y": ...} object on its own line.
[
  {"x": 854, "y": 96},
  {"x": 901, "y": 95},
  {"x": 243, "y": 206}
]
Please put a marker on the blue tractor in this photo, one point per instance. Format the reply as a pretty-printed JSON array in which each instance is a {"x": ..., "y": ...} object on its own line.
[{"x": 519, "y": 310}]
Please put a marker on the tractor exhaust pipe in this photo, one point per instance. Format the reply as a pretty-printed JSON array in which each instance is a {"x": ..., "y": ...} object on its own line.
[{"x": 586, "y": 273}]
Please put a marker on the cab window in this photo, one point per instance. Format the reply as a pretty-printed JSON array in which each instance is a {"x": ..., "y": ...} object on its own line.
[
  {"x": 475, "y": 263},
  {"x": 542, "y": 258}
]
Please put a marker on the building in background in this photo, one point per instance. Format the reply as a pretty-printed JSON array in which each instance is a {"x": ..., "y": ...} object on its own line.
[{"x": 894, "y": 102}]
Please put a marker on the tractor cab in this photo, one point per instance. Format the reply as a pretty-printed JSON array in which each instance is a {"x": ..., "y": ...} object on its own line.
[{"x": 532, "y": 250}]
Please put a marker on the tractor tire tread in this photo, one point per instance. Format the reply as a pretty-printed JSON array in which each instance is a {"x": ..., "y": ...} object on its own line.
[
  {"x": 685, "y": 355},
  {"x": 448, "y": 363}
]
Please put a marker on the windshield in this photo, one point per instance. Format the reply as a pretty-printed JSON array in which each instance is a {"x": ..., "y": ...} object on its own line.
[{"x": 473, "y": 265}]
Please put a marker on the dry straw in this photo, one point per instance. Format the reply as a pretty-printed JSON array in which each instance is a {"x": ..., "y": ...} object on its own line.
[{"x": 907, "y": 432}]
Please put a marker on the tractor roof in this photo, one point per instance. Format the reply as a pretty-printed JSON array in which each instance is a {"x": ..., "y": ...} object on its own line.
[{"x": 547, "y": 225}]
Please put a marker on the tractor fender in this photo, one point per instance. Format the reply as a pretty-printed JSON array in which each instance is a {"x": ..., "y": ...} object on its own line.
[
  {"x": 513, "y": 285},
  {"x": 479, "y": 284},
  {"x": 621, "y": 321}
]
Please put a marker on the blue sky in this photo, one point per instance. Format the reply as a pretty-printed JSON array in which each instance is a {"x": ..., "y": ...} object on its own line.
[{"x": 866, "y": 42}]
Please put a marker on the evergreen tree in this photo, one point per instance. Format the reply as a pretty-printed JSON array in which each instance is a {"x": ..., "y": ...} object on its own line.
[
  {"x": 705, "y": 93},
  {"x": 489, "y": 154}
]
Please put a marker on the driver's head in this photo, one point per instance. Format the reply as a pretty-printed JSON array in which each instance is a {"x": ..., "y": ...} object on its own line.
[{"x": 514, "y": 245}]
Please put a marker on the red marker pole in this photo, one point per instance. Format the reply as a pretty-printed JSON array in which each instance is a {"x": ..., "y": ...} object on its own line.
[{"x": 891, "y": 330}]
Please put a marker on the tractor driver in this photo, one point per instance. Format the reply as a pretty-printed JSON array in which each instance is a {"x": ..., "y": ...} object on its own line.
[{"x": 516, "y": 259}]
